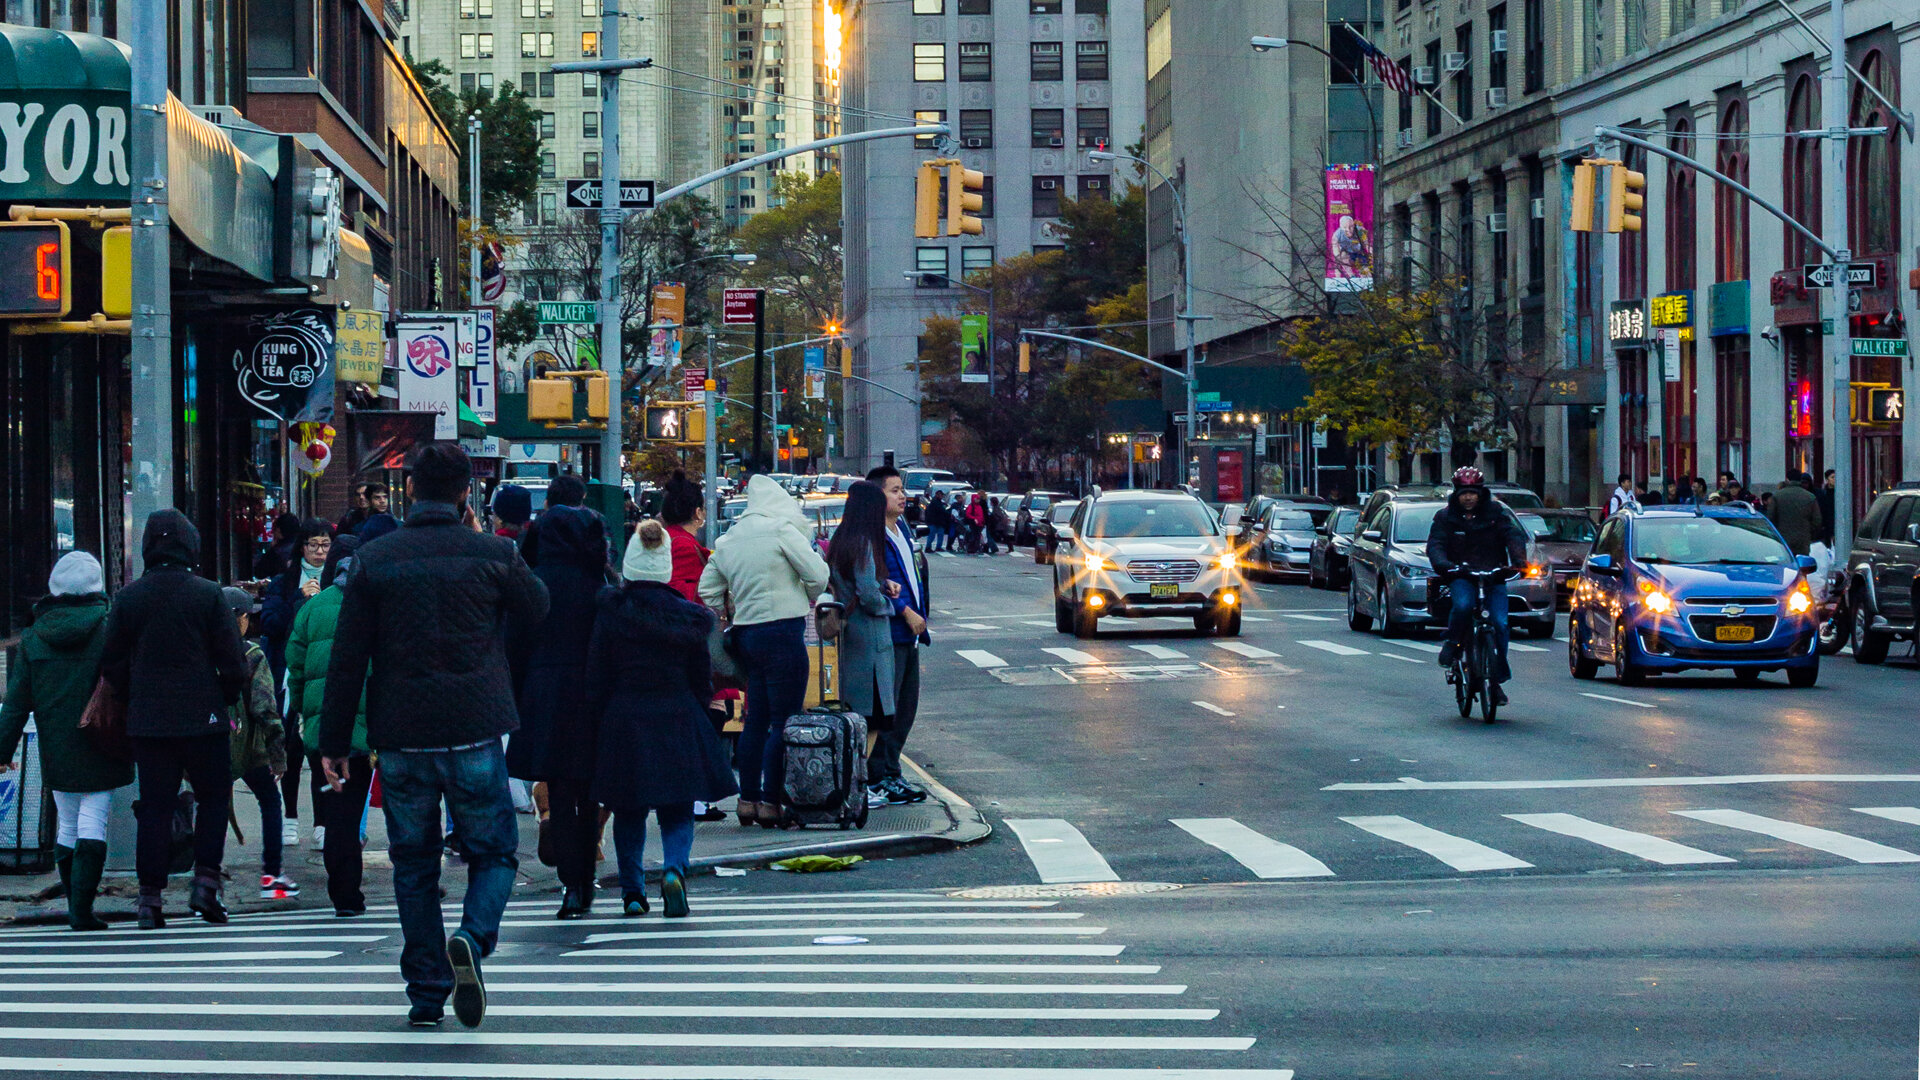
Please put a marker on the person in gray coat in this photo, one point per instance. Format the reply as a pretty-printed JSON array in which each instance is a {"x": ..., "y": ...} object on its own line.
[
  {"x": 1795, "y": 511},
  {"x": 857, "y": 558}
]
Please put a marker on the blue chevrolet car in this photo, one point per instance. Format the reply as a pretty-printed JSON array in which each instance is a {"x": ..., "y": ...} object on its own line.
[{"x": 1674, "y": 589}]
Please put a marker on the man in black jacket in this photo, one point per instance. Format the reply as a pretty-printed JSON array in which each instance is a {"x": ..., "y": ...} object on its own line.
[
  {"x": 430, "y": 609},
  {"x": 173, "y": 654},
  {"x": 1472, "y": 532}
]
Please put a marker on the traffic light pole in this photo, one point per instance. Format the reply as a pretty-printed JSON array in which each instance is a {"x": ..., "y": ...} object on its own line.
[
  {"x": 1834, "y": 99},
  {"x": 152, "y": 408},
  {"x": 709, "y": 491},
  {"x": 760, "y": 463}
]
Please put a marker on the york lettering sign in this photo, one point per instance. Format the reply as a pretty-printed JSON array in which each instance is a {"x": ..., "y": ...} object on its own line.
[{"x": 64, "y": 146}]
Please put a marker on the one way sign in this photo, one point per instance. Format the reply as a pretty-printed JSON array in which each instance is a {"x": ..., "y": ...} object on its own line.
[
  {"x": 585, "y": 194},
  {"x": 1860, "y": 275}
]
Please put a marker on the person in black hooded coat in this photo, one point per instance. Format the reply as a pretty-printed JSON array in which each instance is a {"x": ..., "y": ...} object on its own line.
[{"x": 555, "y": 742}]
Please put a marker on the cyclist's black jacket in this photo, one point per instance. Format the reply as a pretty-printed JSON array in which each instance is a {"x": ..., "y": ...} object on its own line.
[{"x": 1487, "y": 539}]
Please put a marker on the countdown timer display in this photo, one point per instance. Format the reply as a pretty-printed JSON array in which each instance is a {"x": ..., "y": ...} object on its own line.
[{"x": 35, "y": 270}]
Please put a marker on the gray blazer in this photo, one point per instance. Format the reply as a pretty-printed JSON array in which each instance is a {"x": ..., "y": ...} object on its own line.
[{"x": 866, "y": 646}]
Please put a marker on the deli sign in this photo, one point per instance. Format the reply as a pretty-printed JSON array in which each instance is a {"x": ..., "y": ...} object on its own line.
[{"x": 65, "y": 145}]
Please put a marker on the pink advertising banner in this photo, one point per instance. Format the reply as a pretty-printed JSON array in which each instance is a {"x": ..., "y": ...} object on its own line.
[{"x": 1349, "y": 228}]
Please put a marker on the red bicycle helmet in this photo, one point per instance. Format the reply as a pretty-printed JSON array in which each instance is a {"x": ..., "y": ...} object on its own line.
[{"x": 1468, "y": 476}]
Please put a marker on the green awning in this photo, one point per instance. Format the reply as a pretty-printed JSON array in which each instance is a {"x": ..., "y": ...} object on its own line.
[
  {"x": 65, "y": 104},
  {"x": 469, "y": 423}
]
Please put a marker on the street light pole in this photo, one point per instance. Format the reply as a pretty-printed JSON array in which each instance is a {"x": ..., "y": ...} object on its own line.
[
  {"x": 1840, "y": 395},
  {"x": 710, "y": 495},
  {"x": 152, "y": 346},
  {"x": 473, "y": 212},
  {"x": 1263, "y": 44}
]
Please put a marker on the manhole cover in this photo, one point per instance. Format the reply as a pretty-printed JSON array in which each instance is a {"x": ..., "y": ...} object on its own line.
[{"x": 1082, "y": 888}]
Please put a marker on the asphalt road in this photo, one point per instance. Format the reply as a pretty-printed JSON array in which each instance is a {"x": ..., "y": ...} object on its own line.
[{"x": 1291, "y": 858}]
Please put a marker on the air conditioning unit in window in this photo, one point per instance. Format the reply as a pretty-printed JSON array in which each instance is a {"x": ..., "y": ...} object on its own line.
[
  {"x": 1497, "y": 222},
  {"x": 1049, "y": 185},
  {"x": 1405, "y": 139},
  {"x": 1455, "y": 61},
  {"x": 975, "y": 144},
  {"x": 1496, "y": 97},
  {"x": 1497, "y": 40},
  {"x": 1538, "y": 209},
  {"x": 1423, "y": 76},
  {"x": 1056, "y": 142}
]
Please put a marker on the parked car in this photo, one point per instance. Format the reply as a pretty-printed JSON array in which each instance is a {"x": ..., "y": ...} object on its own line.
[
  {"x": 918, "y": 479},
  {"x": 1881, "y": 605},
  {"x": 1141, "y": 554},
  {"x": 1045, "y": 536},
  {"x": 1031, "y": 509},
  {"x": 1393, "y": 584},
  {"x": 1565, "y": 539},
  {"x": 1327, "y": 561},
  {"x": 1513, "y": 495},
  {"x": 1280, "y": 540},
  {"x": 1669, "y": 590}
]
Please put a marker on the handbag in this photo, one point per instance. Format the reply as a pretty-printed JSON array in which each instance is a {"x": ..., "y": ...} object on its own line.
[
  {"x": 721, "y": 653},
  {"x": 104, "y": 722},
  {"x": 829, "y": 619}
]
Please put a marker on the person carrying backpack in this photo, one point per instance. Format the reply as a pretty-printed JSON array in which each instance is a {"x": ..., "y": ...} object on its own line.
[{"x": 257, "y": 751}]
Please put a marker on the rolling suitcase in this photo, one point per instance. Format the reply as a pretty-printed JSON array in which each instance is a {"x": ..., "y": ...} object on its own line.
[{"x": 824, "y": 753}]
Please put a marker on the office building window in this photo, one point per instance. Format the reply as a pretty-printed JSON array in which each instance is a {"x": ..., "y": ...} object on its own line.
[
  {"x": 1406, "y": 100},
  {"x": 1533, "y": 57},
  {"x": 929, "y": 7},
  {"x": 1046, "y": 65},
  {"x": 1046, "y": 196},
  {"x": 590, "y": 163},
  {"x": 976, "y": 7},
  {"x": 529, "y": 44},
  {"x": 974, "y": 260},
  {"x": 926, "y": 116},
  {"x": 1433, "y": 106},
  {"x": 1091, "y": 128},
  {"x": 976, "y": 61},
  {"x": 1049, "y": 127},
  {"x": 546, "y": 125},
  {"x": 589, "y": 43},
  {"x": 466, "y": 82},
  {"x": 1496, "y": 58},
  {"x": 931, "y": 262},
  {"x": 546, "y": 43},
  {"x": 1095, "y": 187},
  {"x": 1090, "y": 7},
  {"x": 486, "y": 81},
  {"x": 1090, "y": 61},
  {"x": 466, "y": 9},
  {"x": 469, "y": 46},
  {"x": 929, "y": 63},
  {"x": 986, "y": 198},
  {"x": 530, "y": 83},
  {"x": 589, "y": 9},
  {"x": 549, "y": 208},
  {"x": 1463, "y": 79},
  {"x": 1044, "y": 7},
  {"x": 530, "y": 9},
  {"x": 589, "y": 125},
  {"x": 486, "y": 46},
  {"x": 549, "y": 166},
  {"x": 976, "y": 129},
  {"x": 590, "y": 85}
]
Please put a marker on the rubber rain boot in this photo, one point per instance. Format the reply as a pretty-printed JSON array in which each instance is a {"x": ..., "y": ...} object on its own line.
[
  {"x": 89, "y": 861},
  {"x": 63, "y": 862},
  {"x": 153, "y": 915},
  {"x": 204, "y": 900}
]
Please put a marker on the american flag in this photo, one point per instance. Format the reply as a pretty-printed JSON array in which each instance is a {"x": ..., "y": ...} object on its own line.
[{"x": 1383, "y": 65}]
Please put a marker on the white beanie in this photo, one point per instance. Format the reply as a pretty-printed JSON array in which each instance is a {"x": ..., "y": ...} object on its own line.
[
  {"x": 76, "y": 574},
  {"x": 649, "y": 557}
]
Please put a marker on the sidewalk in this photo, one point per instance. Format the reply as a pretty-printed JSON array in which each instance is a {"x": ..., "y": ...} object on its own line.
[{"x": 944, "y": 821}]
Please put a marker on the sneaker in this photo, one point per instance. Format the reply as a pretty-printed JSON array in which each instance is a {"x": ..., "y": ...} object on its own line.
[
  {"x": 277, "y": 887},
  {"x": 633, "y": 905},
  {"x": 348, "y": 912},
  {"x": 320, "y": 838},
  {"x": 878, "y": 796},
  {"x": 469, "y": 990},
  {"x": 1499, "y": 696},
  {"x": 290, "y": 832},
  {"x": 426, "y": 1015},
  {"x": 900, "y": 793},
  {"x": 1449, "y": 652}
]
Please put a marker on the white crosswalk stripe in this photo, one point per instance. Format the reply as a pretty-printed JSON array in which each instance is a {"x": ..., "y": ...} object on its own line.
[
  {"x": 1834, "y": 843},
  {"x": 1305, "y": 618},
  {"x": 1908, "y": 814},
  {"x": 1515, "y": 646},
  {"x": 1160, "y": 652},
  {"x": 1252, "y": 652},
  {"x": 1332, "y": 647},
  {"x": 1060, "y": 853},
  {"x": 981, "y": 658},
  {"x": 1651, "y": 848},
  {"x": 1423, "y": 646},
  {"x": 1456, "y": 851},
  {"x": 1265, "y": 856},
  {"x": 1072, "y": 656}
]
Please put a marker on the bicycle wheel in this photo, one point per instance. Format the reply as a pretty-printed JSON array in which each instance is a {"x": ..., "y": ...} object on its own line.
[
  {"x": 1463, "y": 687},
  {"x": 1488, "y": 658}
]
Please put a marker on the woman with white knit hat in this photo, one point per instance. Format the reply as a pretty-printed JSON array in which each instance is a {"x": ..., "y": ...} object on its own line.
[{"x": 648, "y": 681}]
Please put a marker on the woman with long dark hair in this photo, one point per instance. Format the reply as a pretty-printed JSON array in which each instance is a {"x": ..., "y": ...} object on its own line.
[
  {"x": 282, "y": 603},
  {"x": 857, "y": 559}
]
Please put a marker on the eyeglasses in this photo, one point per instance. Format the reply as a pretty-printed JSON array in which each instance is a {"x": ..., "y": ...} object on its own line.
[{"x": 319, "y": 543}]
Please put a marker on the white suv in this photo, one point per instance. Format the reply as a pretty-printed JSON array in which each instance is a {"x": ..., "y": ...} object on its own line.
[{"x": 1141, "y": 554}]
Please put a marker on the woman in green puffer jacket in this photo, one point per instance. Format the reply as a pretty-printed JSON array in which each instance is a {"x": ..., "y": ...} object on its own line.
[
  {"x": 309, "y": 648},
  {"x": 52, "y": 679}
]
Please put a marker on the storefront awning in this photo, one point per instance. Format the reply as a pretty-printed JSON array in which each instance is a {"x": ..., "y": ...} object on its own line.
[
  {"x": 65, "y": 106},
  {"x": 353, "y": 287}
]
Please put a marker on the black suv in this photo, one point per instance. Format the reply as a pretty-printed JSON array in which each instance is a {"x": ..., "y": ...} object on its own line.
[{"x": 1880, "y": 573}]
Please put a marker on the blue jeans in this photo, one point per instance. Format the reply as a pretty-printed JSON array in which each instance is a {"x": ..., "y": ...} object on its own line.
[
  {"x": 474, "y": 784},
  {"x": 775, "y": 657},
  {"x": 630, "y": 842},
  {"x": 1460, "y": 619},
  {"x": 266, "y": 789}
]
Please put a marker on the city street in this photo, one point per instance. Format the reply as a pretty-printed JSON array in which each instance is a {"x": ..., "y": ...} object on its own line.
[{"x": 1332, "y": 919}]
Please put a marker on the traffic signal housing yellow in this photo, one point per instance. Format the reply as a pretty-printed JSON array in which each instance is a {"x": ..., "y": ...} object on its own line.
[
  {"x": 597, "y": 398},
  {"x": 116, "y": 272},
  {"x": 966, "y": 197},
  {"x": 1026, "y": 357},
  {"x": 846, "y": 361},
  {"x": 1625, "y": 198},
  {"x": 926, "y": 201},
  {"x": 1580, "y": 213}
]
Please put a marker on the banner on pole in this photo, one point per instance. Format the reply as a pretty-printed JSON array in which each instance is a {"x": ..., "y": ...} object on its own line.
[
  {"x": 1349, "y": 228},
  {"x": 482, "y": 381},
  {"x": 814, "y": 362},
  {"x": 973, "y": 348},
  {"x": 428, "y": 383},
  {"x": 669, "y": 307}
]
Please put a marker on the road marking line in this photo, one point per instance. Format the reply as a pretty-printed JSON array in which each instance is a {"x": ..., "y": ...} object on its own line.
[
  {"x": 1072, "y": 656},
  {"x": 703, "y": 919},
  {"x": 1036, "y": 622},
  {"x": 1514, "y": 646},
  {"x": 549, "y": 986},
  {"x": 1411, "y": 784},
  {"x": 894, "y": 1040},
  {"x": 1252, "y": 652},
  {"x": 1402, "y": 659},
  {"x": 980, "y": 658},
  {"x": 1334, "y": 648},
  {"x": 1834, "y": 843},
  {"x": 1457, "y": 852},
  {"x": 972, "y": 626},
  {"x": 1212, "y": 708},
  {"x": 1642, "y": 845},
  {"x": 1620, "y": 700},
  {"x": 1905, "y": 814},
  {"x": 1423, "y": 646},
  {"x": 507, "y": 1071},
  {"x": 889, "y": 931},
  {"x": 704, "y": 1012},
  {"x": 68, "y": 942},
  {"x": 1160, "y": 652},
  {"x": 945, "y": 554},
  {"x": 1265, "y": 856},
  {"x": 1305, "y": 618},
  {"x": 1255, "y": 618},
  {"x": 1060, "y": 854},
  {"x": 1024, "y": 948},
  {"x": 154, "y": 958}
]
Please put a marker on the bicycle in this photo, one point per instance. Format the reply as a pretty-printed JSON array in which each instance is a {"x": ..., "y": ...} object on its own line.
[{"x": 1474, "y": 665}]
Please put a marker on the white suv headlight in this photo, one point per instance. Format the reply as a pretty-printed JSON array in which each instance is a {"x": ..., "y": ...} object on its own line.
[{"x": 1226, "y": 560}]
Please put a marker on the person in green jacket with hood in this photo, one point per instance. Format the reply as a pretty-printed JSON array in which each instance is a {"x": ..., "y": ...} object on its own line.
[
  {"x": 57, "y": 667},
  {"x": 309, "y": 649}
]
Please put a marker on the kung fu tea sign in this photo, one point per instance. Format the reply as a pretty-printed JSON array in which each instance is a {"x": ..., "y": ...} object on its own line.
[{"x": 284, "y": 366}]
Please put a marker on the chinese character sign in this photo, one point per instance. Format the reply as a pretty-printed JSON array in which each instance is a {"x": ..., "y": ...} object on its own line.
[
  {"x": 1672, "y": 309},
  {"x": 1349, "y": 228},
  {"x": 1627, "y": 324},
  {"x": 358, "y": 347},
  {"x": 427, "y": 383}
]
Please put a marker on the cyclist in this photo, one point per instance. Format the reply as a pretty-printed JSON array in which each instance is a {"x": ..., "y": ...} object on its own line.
[{"x": 1474, "y": 533}]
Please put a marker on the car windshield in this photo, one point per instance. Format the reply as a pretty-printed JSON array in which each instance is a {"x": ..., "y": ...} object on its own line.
[
  {"x": 1038, "y": 502},
  {"x": 1520, "y": 500},
  {"x": 1169, "y": 517},
  {"x": 1536, "y": 526},
  {"x": 1412, "y": 524},
  {"x": 1566, "y": 528},
  {"x": 1061, "y": 511},
  {"x": 1741, "y": 541},
  {"x": 1343, "y": 520},
  {"x": 1293, "y": 521}
]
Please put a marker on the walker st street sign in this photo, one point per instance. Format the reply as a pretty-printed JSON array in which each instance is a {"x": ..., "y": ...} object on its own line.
[
  {"x": 568, "y": 311},
  {"x": 1860, "y": 275},
  {"x": 1879, "y": 346}
]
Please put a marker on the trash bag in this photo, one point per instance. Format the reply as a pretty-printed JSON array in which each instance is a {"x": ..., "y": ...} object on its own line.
[{"x": 813, "y": 864}]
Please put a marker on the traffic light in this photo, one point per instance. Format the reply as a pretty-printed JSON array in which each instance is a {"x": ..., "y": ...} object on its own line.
[
  {"x": 966, "y": 196},
  {"x": 597, "y": 398},
  {"x": 846, "y": 361},
  {"x": 926, "y": 201},
  {"x": 35, "y": 270},
  {"x": 1624, "y": 198},
  {"x": 1026, "y": 357},
  {"x": 116, "y": 272},
  {"x": 1585, "y": 180}
]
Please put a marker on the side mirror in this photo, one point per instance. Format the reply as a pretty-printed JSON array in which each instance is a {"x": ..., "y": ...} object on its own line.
[
  {"x": 1601, "y": 564},
  {"x": 1808, "y": 566},
  {"x": 1913, "y": 534},
  {"x": 1374, "y": 535},
  {"x": 1063, "y": 534}
]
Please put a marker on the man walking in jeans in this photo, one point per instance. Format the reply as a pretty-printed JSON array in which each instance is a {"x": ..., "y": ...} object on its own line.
[{"x": 430, "y": 608}]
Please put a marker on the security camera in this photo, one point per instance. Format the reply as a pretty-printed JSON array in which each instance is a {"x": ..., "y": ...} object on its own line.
[{"x": 1772, "y": 334}]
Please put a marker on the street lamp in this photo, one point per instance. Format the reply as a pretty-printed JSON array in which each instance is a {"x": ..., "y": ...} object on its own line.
[
  {"x": 1268, "y": 44},
  {"x": 1186, "y": 275}
]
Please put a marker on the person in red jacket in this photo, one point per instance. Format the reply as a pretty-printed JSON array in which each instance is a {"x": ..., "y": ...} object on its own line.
[{"x": 682, "y": 512}]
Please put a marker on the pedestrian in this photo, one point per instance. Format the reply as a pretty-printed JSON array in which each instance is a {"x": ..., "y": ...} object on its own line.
[
  {"x": 430, "y": 609},
  {"x": 257, "y": 747},
  {"x": 281, "y": 605},
  {"x": 907, "y": 628},
  {"x": 682, "y": 511},
  {"x": 648, "y": 684},
  {"x": 1795, "y": 511},
  {"x": 173, "y": 654},
  {"x": 567, "y": 490},
  {"x": 555, "y": 743},
  {"x": 999, "y": 527},
  {"x": 377, "y": 526},
  {"x": 1825, "y": 497},
  {"x": 939, "y": 520},
  {"x": 976, "y": 523},
  {"x": 1729, "y": 486},
  {"x": 369, "y": 498},
  {"x": 513, "y": 508},
  {"x": 1699, "y": 490},
  {"x": 336, "y": 814},
  {"x": 51, "y": 679},
  {"x": 281, "y": 553},
  {"x": 857, "y": 560},
  {"x": 763, "y": 578}
]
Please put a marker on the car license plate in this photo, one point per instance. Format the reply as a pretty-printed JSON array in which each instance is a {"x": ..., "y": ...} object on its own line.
[
  {"x": 1163, "y": 590},
  {"x": 1733, "y": 633}
]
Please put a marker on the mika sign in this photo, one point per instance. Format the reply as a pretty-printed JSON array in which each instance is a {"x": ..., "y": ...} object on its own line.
[{"x": 429, "y": 352}]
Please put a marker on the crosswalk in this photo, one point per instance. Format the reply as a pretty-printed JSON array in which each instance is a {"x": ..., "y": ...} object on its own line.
[
  {"x": 981, "y": 989},
  {"x": 1117, "y": 653},
  {"x": 1060, "y": 852}
]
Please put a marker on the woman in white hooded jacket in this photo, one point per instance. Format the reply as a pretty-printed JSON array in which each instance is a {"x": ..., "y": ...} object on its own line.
[{"x": 763, "y": 578}]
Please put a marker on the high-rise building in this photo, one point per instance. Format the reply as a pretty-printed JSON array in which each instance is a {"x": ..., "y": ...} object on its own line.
[
  {"x": 1028, "y": 86},
  {"x": 783, "y": 57}
]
